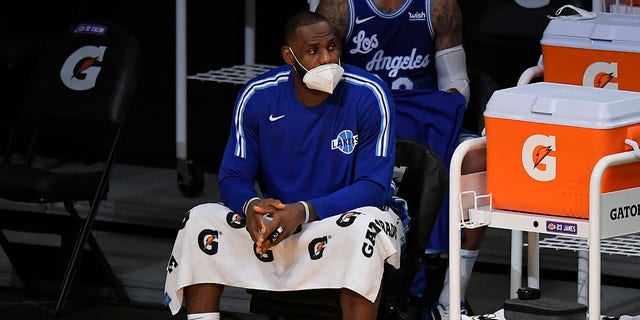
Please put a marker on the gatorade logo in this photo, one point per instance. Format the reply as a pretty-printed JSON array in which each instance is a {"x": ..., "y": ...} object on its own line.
[
  {"x": 266, "y": 256},
  {"x": 82, "y": 67},
  {"x": 317, "y": 246},
  {"x": 601, "y": 75},
  {"x": 208, "y": 241},
  {"x": 236, "y": 221},
  {"x": 536, "y": 158}
]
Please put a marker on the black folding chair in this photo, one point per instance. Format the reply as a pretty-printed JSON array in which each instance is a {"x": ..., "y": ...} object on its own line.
[
  {"x": 423, "y": 185},
  {"x": 80, "y": 90}
]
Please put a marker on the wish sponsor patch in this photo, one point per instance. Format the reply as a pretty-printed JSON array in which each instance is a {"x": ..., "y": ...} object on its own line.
[{"x": 562, "y": 227}]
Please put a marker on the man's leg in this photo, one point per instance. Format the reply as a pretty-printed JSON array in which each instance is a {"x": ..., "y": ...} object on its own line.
[
  {"x": 469, "y": 253},
  {"x": 203, "y": 300},
  {"x": 474, "y": 161},
  {"x": 357, "y": 307}
]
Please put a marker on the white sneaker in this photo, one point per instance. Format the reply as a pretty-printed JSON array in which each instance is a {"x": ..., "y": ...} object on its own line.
[{"x": 441, "y": 312}]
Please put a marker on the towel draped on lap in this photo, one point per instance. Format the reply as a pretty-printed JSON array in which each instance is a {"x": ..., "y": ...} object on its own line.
[{"x": 343, "y": 251}]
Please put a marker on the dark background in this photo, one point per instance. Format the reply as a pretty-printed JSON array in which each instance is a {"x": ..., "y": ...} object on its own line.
[{"x": 501, "y": 39}]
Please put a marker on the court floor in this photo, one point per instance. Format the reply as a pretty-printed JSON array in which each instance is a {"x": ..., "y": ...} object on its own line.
[{"x": 149, "y": 201}]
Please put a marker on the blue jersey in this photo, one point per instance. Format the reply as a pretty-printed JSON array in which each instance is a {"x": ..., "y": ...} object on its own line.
[
  {"x": 338, "y": 155},
  {"x": 434, "y": 118},
  {"x": 398, "y": 47}
]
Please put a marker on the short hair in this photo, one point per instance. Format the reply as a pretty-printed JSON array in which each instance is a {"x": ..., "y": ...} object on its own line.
[{"x": 301, "y": 19}]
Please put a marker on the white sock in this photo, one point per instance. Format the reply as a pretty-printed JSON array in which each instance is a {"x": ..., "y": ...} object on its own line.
[
  {"x": 468, "y": 258},
  {"x": 444, "y": 294},
  {"x": 204, "y": 316},
  {"x": 466, "y": 267}
]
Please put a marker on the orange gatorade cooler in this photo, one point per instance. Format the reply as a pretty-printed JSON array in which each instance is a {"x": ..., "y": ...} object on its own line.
[
  {"x": 544, "y": 139},
  {"x": 603, "y": 52}
]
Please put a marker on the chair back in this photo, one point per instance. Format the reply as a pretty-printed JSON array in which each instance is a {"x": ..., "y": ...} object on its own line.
[
  {"x": 423, "y": 184},
  {"x": 80, "y": 90},
  {"x": 88, "y": 71}
]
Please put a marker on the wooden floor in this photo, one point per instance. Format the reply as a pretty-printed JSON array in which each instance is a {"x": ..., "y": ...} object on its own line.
[{"x": 15, "y": 304}]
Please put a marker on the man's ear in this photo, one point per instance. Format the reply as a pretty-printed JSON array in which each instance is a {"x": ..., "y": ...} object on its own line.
[{"x": 287, "y": 56}]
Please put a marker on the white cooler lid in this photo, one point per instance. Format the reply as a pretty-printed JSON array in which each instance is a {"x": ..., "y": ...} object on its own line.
[
  {"x": 566, "y": 104},
  {"x": 608, "y": 31}
]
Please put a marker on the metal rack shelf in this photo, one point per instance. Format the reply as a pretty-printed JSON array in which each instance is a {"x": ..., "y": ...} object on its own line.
[
  {"x": 238, "y": 74},
  {"x": 625, "y": 246},
  {"x": 589, "y": 237}
]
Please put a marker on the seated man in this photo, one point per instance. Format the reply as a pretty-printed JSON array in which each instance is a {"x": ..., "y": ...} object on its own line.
[
  {"x": 415, "y": 46},
  {"x": 319, "y": 137}
]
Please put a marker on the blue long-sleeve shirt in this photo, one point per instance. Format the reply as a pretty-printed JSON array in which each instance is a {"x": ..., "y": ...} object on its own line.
[{"x": 338, "y": 155}]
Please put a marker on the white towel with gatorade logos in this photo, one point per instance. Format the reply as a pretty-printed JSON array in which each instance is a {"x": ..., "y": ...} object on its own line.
[{"x": 347, "y": 250}]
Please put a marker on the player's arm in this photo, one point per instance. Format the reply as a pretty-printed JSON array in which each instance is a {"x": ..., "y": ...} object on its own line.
[
  {"x": 337, "y": 12},
  {"x": 451, "y": 66},
  {"x": 241, "y": 159},
  {"x": 447, "y": 23}
]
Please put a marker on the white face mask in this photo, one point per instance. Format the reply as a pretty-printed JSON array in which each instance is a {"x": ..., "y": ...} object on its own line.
[{"x": 323, "y": 77}]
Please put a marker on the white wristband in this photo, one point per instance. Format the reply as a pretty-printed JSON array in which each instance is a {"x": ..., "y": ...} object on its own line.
[
  {"x": 245, "y": 207},
  {"x": 306, "y": 211}
]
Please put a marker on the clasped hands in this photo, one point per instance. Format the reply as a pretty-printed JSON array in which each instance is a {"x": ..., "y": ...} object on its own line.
[{"x": 282, "y": 222}]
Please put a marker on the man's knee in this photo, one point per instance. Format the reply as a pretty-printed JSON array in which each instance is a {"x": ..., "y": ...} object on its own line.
[
  {"x": 355, "y": 306},
  {"x": 204, "y": 297},
  {"x": 475, "y": 161}
]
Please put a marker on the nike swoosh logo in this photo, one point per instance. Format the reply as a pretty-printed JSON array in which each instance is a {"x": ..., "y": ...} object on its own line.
[
  {"x": 359, "y": 21},
  {"x": 272, "y": 118}
]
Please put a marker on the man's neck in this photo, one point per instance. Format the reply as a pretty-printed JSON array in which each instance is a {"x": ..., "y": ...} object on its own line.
[
  {"x": 308, "y": 97},
  {"x": 389, "y": 5}
]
